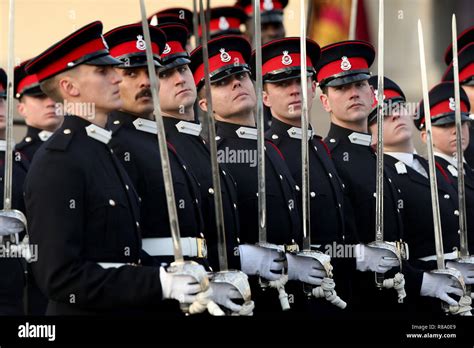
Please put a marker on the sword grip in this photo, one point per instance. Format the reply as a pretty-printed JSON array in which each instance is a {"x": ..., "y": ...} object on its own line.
[{"x": 379, "y": 278}]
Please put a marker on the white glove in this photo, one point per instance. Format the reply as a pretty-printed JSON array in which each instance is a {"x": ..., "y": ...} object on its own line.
[
  {"x": 9, "y": 226},
  {"x": 374, "y": 259},
  {"x": 224, "y": 293},
  {"x": 265, "y": 262},
  {"x": 183, "y": 288},
  {"x": 440, "y": 286},
  {"x": 305, "y": 269},
  {"x": 466, "y": 269}
]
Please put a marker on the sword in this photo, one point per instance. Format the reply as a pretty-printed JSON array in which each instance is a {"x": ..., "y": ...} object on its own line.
[
  {"x": 195, "y": 24},
  {"x": 262, "y": 208},
  {"x": 7, "y": 211},
  {"x": 323, "y": 259},
  {"x": 394, "y": 247},
  {"x": 179, "y": 266},
  {"x": 432, "y": 172},
  {"x": 236, "y": 278},
  {"x": 353, "y": 22},
  {"x": 464, "y": 250}
]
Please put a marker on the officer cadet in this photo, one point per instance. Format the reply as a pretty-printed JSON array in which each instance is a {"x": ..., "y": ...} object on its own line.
[
  {"x": 410, "y": 174},
  {"x": 342, "y": 73},
  {"x": 134, "y": 142},
  {"x": 466, "y": 78},
  {"x": 37, "y": 109},
  {"x": 82, "y": 208},
  {"x": 225, "y": 20},
  {"x": 177, "y": 97},
  {"x": 175, "y": 15},
  {"x": 271, "y": 12},
  {"x": 233, "y": 99},
  {"x": 442, "y": 108},
  {"x": 12, "y": 281},
  {"x": 331, "y": 217}
]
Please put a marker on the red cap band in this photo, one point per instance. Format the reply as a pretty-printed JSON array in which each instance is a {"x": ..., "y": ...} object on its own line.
[
  {"x": 284, "y": 61},
  {"x": 222, "y": 23},
  {"x": 342, "y": 65},
  {"x": 131, "y": 47},
  {"x": 172, "y": 47},
  {"x": 216, "y": 62},
  {"x": 26, "y": 82}
]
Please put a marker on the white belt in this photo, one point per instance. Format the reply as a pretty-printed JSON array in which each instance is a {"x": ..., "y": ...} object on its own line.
[
  {"x": 449, "y": 256},
  {"x": 192, "y": 247},
  {"x": 111, "y": 264}
]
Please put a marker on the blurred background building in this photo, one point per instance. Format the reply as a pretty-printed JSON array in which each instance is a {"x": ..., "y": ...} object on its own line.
[{"x": 40, "y": 23}]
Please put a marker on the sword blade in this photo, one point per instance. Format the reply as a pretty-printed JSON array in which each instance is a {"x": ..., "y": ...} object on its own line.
[
  {"x": 379, "y": 226},
  {"x": 431, "y": 159},
  {"x": 262, "y": 206},
  {"x": 216, "y": 182},
  {"x": 304, "y": 130},
  {"x": 165, "y": 163},
  {"x": 464, "y": 250},
  {"x": 353, "y": 22},
  {"x": 7, "y": 199}
]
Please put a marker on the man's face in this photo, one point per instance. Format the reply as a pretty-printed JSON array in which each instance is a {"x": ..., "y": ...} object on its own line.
[
  {"x": 470, "y": 94},
  {"x": 233, "y": 95},
  {"x": 444, "y": 137},
  {"x": 39, "y": 112},
  {"x": 177, "y": 89},
  {"x": 272, "y": 31},
  {"x": 284, "y": 98},
  {"x": 135, "y": 91},
  {"x": 397, "y": 128},
  {"x": 3, "y": 122},
  {"x": 98, "y": 85},
  {"x": 350, "y": 103}
]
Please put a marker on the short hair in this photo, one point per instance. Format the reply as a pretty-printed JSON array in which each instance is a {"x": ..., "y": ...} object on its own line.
[
  {"x": 325, "y": 89},
  {"x": 50, "y": 87}
]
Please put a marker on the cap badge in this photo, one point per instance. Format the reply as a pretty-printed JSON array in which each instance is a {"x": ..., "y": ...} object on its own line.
[
  {"x": 345, "y": 64},
  {"x": 225, "y": 57},
  {"x": 105, "y": 42},
  {"x": 452, "y": 104},
  {"x": 286, "y": 59},
  {"x": 376, "y": 94},
  {"x": 268, "y": 5},
  {"x": 223, "y": 24},
  {"x": 167, "y": 49},
  {"x": 141, "y": 45}
]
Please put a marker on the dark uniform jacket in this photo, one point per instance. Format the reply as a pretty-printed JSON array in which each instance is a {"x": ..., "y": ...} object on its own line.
[
  {"x": 138, "y": 151},
  {"x": 469, "y": 152},
  {"x": 451, "y": 174},
  {"x": 32, "y": 141},
  {"x": 185, "y": 137},
  {"x": 356, "y": 163},
  {"x": 12, "y": 270},
  {"x": 82, "y": 210},
  {"x": 418, "y": 222},
  {"x": 331, "y": 216},
  {"x": 237, "y": 149}
]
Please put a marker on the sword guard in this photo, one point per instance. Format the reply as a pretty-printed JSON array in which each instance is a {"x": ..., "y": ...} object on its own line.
[
  {"x": 237, "y": 279},
  {"x": 13, "y": 214}
]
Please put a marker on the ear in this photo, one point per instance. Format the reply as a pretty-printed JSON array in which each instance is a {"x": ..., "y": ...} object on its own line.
[
  {"x": 266, "y": 99},
  {"x": 313, "y": 89},
  {"x": 325, "y": 102},
  {"x": 203, "y": 104},
  {"x": 423, "y": 136},
  {"x": 21, "y": 107},
  {"x": 69, "y": 86}
]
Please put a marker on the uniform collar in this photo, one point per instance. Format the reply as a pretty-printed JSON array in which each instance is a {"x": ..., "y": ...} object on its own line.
[
  {"x": 145, "y": 125},
  {"x": 232, "y": 130},
  {"x": 280, "y": 128},
  {"x": 450, "y": 159},
  {"x": 348, "y": 135},
  {"x": 33, "y": 133},
  {"x": 189, "y": 128},
  {"x": 99, "y": 133},
  {"x": 405, "y": 157},
  {"x": 73, "y": 124}
]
